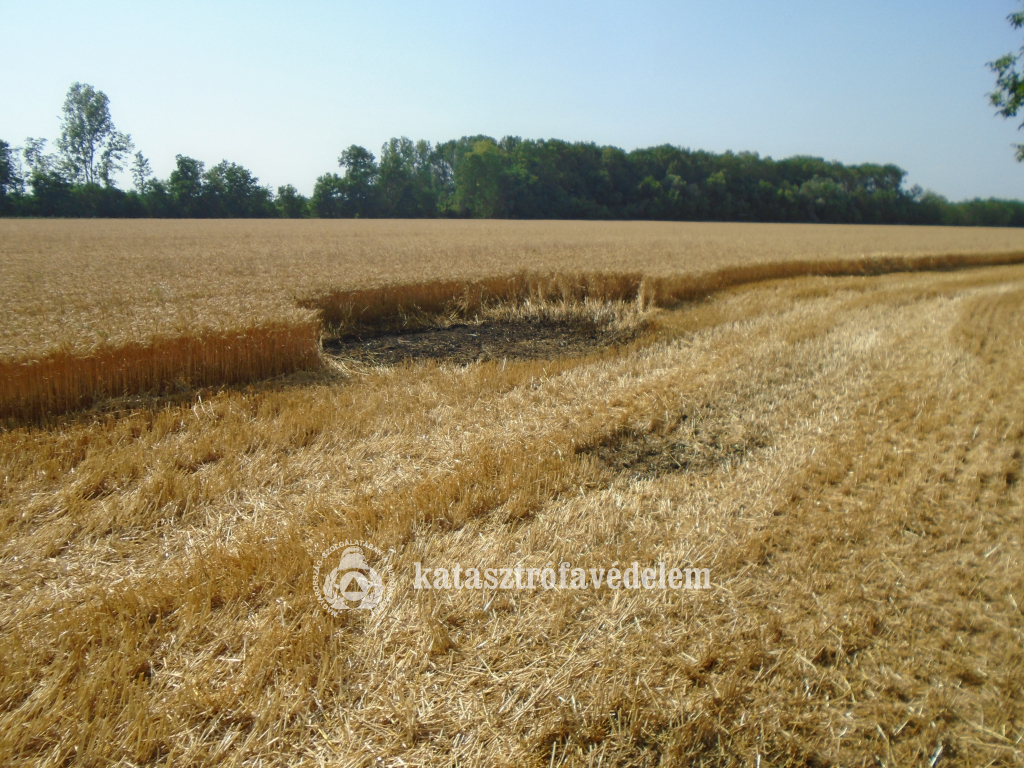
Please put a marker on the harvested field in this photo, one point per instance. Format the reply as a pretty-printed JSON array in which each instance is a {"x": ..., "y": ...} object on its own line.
[{"x": 844, "y": 454}]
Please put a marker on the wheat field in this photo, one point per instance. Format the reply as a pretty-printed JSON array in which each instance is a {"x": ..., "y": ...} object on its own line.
[
  {"x": 74, "y": 285},
  {"x": 107, "y": 308},
  {"x": 843, "y": 453}
]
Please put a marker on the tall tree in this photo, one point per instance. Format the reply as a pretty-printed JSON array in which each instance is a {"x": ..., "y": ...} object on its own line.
[
  {"x": 289, "y": 203},
  {"x": 38, "y": 161},
  {"x": 9, "y": 181},
  {"x": 478, "y": 181},
  {"x": 113, "y": 157},
  {"x": 407, "y": 179},
  {"x": 361, "y": 174},
  {"x": 329, "y": 197},
  {"x": 185, "y": 186},
  {"x": 442, "y": 170},
  {"x": 141, "y": 171},
  {"x": 91, "y": 148},
  {"x": 395, "y": 174},
  {"x": 1008, "y": 97}
]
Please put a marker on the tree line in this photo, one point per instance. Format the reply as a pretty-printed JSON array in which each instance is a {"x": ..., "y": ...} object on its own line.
[{"x": 471, "y": 177}]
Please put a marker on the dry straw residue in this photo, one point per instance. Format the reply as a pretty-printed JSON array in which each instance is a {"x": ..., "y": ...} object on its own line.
[{"x": 853, "y": 483}]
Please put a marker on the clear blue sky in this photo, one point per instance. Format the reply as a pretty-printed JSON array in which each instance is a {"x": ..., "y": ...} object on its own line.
[{"x": 282, "y": 88}]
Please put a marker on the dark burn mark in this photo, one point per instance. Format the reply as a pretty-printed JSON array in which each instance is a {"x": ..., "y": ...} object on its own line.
[{"x": 519, "y": 340}]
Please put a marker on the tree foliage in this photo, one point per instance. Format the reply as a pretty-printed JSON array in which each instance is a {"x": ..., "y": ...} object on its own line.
[
  {"x": 9, "y": 179},
  {"x": 36, "y": 158},
  {"x": 91, "y": 148},
  {"x": 1008, "y": 97},
  {"x": 290, "y": 204},
  {"x": 185, "y": 187},
  {"x": 141, "y": 173},
  {"x": 225, "y": 191},
  {"x": 482, "y": 177}
]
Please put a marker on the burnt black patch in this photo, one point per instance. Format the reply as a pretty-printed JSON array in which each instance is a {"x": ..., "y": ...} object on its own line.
[
  {"x": 692, "y": 444},
  {"x": 520, "y": 340}
]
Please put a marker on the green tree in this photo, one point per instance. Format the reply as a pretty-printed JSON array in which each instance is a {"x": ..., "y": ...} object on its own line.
[
  {"x": 113, "y": 157},
  {"x": 141, "y": 171},
  {"x": 411, "y": 179},
  {"x": 824, "y": 199},
  {"x": 157, "y": 202},
  {"x": 51, "y": 190},
  {"x": 185, "y": 186},
  {"x": 91, "y": 148},
  {"x": 290, "y": 204},
  {"x": 51, "y": 195},
  {"x": 396, "y": 178},
  {"x": 1008, "y": 97},
  {"x": 478, "y": 181},
  {"x": 442, "y": 176},
  {"x": 328, "y": 201},
  {"x": 231, "y": 191},
  {"x": 38, "y": 161},
  {"x": 10, "y": 180},
  {"x": 361, "y": 174}
]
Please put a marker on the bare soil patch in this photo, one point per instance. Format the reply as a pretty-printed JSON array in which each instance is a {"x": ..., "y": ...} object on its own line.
[{"x": 463, "y": 343}]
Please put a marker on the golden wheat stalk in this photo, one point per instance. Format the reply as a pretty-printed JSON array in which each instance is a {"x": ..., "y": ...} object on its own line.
[{"x": 64, "y": 381}]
